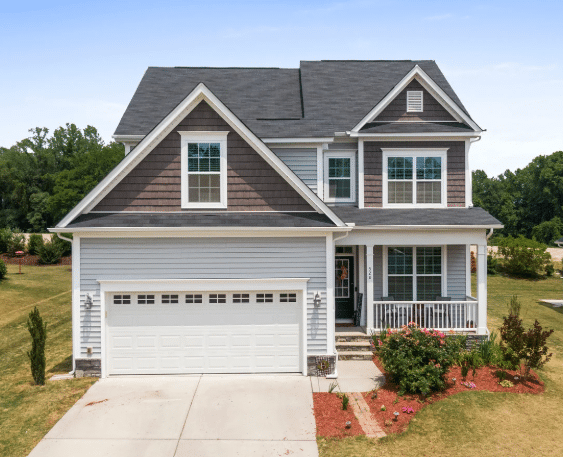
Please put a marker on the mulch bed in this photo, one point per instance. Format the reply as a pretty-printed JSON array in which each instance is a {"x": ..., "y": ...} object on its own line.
[
  {"x": 32, "y": 260},
  {"x": 331, "y": 418},
  {"x": 484, "y": 379}
]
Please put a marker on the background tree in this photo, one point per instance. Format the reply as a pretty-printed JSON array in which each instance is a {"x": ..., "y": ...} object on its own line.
[{"x": 43, "y": 177}]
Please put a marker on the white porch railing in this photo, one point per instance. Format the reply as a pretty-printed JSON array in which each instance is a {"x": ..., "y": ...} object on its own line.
[{"x": 456, "y": 315}]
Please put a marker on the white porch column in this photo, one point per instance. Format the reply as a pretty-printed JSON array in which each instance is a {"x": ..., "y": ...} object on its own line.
[
  {"x": 369, "y": 285},
  {"x": 482, "y": 289}
]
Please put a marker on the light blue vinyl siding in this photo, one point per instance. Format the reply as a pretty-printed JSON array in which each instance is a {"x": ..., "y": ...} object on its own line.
[
  {"x": 302, "y": 161},
  {"x": 456, "y": 271},
  {"x": 203, "y": 258}
]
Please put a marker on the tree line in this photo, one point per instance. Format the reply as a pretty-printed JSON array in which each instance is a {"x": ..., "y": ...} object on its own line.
[
  {"x": 529, "y": 201},
  {"x": 44, "y": 176}
]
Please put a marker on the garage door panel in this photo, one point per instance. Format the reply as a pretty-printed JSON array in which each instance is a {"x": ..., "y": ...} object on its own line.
[{"x": 203, "y": 338}]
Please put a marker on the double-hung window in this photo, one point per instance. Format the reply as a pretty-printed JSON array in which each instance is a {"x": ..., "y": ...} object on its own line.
[
  {"x": 415, "y": 273},
  {"x": 204, "y": 169},
  {"x": 340, "y": 177},
  {"x": 414, "y": 178}
]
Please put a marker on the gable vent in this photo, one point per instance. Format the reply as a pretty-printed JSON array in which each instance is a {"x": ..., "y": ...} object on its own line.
[{"x": 414, "y": 101}]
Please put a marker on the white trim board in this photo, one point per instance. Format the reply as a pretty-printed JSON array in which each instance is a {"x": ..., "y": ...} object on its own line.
[
  {"x": 167, "y": 125},
  {"x": 428, "y": 83}
]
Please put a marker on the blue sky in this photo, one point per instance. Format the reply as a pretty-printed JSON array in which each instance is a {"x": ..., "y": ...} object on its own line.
[{"x": 81, "y": 62}]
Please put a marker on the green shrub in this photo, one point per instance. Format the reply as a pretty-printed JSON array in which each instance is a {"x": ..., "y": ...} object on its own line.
[
  {"x": 50, "y": 253},
  {"x": 65, "y": 246},
  {"x": 38, "y": 331},
  {"x": 523, "y": 257},
  {"x": 16, "y": 243},
  {"x": 34, "y": 243},
  {"x": 469, "y": 359},
  {"x": 492, "y": 265},
  {"x": 417, "y": 359},
  {"x": 549, "y": 269},
  {"x": 5, "y": 237},
  {"x": 3, "y": 269},
  {"x": 345, "y": 401},
  {"x": 520, "y": 346},
  {"x": 489, "y": 351},
  {"x": 548, "y": 231}
]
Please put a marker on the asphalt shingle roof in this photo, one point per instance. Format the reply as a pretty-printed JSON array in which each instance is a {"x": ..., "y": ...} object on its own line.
[
  {"x": 316, "y": 100},
  {"x": 416, "y": 216},
  {"x": 192, "y": 219}
]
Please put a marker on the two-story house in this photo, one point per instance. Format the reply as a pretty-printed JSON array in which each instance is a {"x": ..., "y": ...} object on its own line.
[{"x": 258, "y": 208}]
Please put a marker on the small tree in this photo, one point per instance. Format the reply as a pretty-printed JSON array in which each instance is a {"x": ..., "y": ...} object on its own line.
[
  {"x": 5, "y": 237},
  {"x": 38, "y": 331},
  {"x": 16, "y": 243},
  {"x": 518, "y": 345},
  {"x": 523, "y": 257},
  {"x": 34, "y": 244},
  {"x": 3, "y": 269},
  {"x": 50, "y": 252}
]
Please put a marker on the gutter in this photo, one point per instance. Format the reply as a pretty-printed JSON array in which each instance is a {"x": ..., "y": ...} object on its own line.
[{"x": 196, "y": 229}]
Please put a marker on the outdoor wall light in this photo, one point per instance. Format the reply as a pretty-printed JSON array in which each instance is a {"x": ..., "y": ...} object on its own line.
[
  {"x": 88, "y": 302},
  {"x": 317, "y": 300}
]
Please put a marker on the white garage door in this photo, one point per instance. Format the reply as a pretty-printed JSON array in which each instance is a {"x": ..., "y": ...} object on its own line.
[{"x": 203, "y": 332}]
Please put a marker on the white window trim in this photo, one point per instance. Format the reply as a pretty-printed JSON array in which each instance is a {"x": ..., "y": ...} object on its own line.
[
  {"x": 203, "y": 137},
  {"x": 414, "y": 275},
  {"x": 340, "y": 155},
  {"x": 418, "y": 152},
  {"x": 411, "y": 93}
]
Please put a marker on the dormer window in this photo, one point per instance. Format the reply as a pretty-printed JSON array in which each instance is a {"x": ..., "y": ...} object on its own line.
[
  {"x": 204, "y": 169},
  {"x": 414, "y": 101}
]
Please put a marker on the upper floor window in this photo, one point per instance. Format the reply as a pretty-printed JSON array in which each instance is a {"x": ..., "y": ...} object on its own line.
[
  {"x": 204, "y": 169},
  {"x": 340, "y": 177},
  {"x": 414, "y": 177},
  {"x": 414, "y": 101}
]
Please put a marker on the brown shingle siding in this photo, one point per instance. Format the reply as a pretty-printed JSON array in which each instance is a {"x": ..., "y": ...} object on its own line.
[
  {"x": 373, "y": 173},
  {"x": 397, "y": 109},
  {"x": 155, "y": 183}
]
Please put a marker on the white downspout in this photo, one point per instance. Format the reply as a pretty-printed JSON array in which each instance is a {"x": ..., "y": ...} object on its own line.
[{"x": 62, "y": 237}]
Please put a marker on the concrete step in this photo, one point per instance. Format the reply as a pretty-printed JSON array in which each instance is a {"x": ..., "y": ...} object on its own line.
[
  {"x": 353, "y": 346},
  {"x": 351, "y": 336},
  {"x": 354, "y": 355}
]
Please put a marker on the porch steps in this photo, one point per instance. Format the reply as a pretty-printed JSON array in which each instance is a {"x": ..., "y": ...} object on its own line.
[{"x": 353, "y": 345}]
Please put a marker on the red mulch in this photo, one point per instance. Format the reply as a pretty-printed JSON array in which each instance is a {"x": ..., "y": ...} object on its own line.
[
  {"x": 32, "y": 260},
  {"x": 484, "y": 379},
  {"x": 331, "y": 418}
]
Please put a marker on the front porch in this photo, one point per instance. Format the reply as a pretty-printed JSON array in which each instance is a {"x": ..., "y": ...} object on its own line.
[{"x": 429, "y": 284}]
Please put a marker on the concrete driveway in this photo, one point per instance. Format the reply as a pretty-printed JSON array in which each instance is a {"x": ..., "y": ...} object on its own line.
[{"x": 166, "y": 416}]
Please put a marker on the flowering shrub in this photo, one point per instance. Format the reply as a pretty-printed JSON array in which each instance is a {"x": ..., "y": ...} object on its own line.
[{"x": 417, "y": 359}]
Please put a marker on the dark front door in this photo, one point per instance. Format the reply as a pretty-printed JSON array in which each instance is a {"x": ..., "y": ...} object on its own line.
[{"x": 344, "y": 287}]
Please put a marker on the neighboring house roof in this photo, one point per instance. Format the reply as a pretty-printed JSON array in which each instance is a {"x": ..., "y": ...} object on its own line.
[
  {"x": 190, "y": 220},
  {"x": 316, "y": 100},
  {"x": 392, "y": 217}
]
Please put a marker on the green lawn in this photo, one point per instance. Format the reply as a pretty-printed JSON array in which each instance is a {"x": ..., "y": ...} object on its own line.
[
  {"x": 469, "y": 424},
  {"x": 486, "y": 424},
  {"x": 27, "y": 412}
]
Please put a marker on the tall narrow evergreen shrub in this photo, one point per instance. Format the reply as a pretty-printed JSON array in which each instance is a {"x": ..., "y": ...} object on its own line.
[{"x": 38, "y": 331}]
